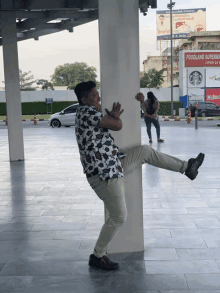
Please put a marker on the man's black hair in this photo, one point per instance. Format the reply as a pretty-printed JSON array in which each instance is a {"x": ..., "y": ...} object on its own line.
[{"x": 83, "y": 89}]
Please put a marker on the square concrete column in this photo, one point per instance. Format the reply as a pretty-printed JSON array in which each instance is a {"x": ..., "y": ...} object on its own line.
[
  {"x": 12, "y": 86},
  {"x": 120, "y": 82}
]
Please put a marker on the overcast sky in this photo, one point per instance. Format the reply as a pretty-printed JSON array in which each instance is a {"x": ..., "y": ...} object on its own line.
[{"x": 43, "y": 56}]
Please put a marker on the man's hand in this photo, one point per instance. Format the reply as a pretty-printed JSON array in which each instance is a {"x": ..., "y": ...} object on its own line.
[{"x": 116, "y": 113}]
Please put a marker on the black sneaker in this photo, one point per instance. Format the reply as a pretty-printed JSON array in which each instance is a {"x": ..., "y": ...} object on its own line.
[
  {"x": 193, "y": 166},
  {"x": 102, "y": 263}
]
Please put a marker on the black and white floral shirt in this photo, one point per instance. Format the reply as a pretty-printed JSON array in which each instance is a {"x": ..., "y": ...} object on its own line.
[{"x": 98, "y": 153}]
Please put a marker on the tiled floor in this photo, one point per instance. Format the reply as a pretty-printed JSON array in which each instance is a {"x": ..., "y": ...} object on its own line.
[{"x": 50, "y": 219}]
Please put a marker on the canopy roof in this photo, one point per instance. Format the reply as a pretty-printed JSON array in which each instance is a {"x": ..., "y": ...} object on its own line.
[{"x": 37, "y": 18}]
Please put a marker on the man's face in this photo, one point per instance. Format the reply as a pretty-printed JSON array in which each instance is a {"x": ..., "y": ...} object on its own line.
[{"x": 93, "y": 99}]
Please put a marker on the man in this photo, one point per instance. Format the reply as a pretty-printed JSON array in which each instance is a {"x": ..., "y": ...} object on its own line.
[{"x": 105, "y": 165}]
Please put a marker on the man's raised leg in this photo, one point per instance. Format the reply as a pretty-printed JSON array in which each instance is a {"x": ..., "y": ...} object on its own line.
[{"x": 142, "y": 154}]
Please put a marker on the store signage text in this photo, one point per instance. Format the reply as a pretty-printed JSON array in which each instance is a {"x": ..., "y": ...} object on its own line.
[{"x": 201, "y": 59}]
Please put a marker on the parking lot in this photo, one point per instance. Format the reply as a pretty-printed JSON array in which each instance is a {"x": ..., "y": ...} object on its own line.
[
  {"x": 202, "y": 124},
  {"x": 51, "y": 218}
]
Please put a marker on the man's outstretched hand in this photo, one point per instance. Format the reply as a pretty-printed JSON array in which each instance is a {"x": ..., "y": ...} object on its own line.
[{"x": 116, "y": 113}]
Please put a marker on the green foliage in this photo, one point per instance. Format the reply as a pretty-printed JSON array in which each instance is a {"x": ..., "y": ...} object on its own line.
[
  {"x": 29, "y": 108},
  {"x": 165, "y": 107},
  {"x": 72, "y": 74},
  {"x": 176, "y": 75},
  {"x": 24, "y": 84},
  {"x": 152, "y": 79},
  {"x": 65, "y": 75},
  {"x": 2, "y": 108},
  {"x": 45, "y": 84}
]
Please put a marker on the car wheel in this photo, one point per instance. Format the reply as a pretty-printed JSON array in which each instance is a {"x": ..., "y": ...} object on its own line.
[
  {"x": 203, "y": 114},
  {"x": 55, "y": 123}
]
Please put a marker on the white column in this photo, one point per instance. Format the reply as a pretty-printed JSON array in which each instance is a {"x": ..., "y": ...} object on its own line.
[
  {"x": 182, "y": 75},
  {"x": 120, "y": 82},
  {"x": 12, "y": 87}
]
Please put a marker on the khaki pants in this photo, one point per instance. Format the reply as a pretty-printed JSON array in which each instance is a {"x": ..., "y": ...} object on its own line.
[{"x": 112, "y": 191}]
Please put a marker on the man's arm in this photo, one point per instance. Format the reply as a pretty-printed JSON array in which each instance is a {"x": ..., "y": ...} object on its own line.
[{"x": 119, "y": 120}]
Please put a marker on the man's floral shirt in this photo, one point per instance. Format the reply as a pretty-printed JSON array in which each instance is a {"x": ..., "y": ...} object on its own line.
[{"x": 98, "y": 153}]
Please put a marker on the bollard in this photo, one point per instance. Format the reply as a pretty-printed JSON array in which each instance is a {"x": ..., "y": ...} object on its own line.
[
  {"x": 6, "y": 122},
  {"x": 196, "y": 117},
  {"x": 35, "y": 119},
  {"x": 189, "y": 117}
]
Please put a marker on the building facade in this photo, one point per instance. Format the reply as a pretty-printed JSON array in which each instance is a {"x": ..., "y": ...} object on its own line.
[
  {"x": 199, "y": 78},
  {"x": 202, "y": 40}
]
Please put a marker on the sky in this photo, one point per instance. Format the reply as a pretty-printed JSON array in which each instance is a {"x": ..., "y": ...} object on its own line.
[{"x": 43, "y": 56}]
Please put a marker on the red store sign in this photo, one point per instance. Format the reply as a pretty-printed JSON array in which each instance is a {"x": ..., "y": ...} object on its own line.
[
  {"x": 202, "y": 59},
  {"x": 213, "y": 95}
]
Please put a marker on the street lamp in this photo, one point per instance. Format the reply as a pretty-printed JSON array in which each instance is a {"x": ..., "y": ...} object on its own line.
[{"x": 170, "y": 6}]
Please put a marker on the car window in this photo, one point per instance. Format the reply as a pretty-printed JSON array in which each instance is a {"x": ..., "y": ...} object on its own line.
[
  {"x": 70, "y": 110},
  {"x": 75, "y": 108},
  {"x": 202, "y": 105},
  {"x": 211, "y": 106}
]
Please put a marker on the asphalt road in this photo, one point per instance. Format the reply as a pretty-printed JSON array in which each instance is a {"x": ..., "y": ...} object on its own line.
[{"x": 202, "y": 124}]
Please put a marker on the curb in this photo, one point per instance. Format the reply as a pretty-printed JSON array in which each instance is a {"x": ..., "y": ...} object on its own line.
[
  {"x": 166, "y": 118},
  {"x": 28, "y": 120}
]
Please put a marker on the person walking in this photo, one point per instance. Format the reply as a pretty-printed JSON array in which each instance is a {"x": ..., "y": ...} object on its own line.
[
  {"x": 105, "y": 164},
  {"x": 150, "y": 115}
]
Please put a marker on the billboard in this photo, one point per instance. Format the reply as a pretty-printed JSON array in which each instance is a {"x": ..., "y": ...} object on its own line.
[
  {"x": 195, "y": 95},
  {"x": 185, "y": 21},
  {"x": 196, "y": 77},
  {"x": 213, "y": 95},
  {"x": 202, "y": 59},
  {"x": 213, "y": 77}
]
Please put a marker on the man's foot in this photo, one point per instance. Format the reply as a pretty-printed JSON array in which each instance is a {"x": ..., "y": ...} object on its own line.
[
  {"x": 160, "y": 140},
  {"x": 193, "y": 166},
  {"x": 150, "y": 140},
  {"x": 102, "y": 263}
]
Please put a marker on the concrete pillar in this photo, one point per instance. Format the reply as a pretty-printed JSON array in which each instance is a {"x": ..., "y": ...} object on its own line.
[
  {"x": 120, "y": 82},
  {"x": 182, "y": 75},
  {"x": 12, "y": 87}
]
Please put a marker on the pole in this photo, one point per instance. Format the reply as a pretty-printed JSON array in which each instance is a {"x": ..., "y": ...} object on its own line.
[
  {"x": 196, "y": 117},
  {"x": 171, "y": 59}
]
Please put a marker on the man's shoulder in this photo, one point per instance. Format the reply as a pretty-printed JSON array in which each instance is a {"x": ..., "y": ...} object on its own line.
[{"x": 91, "y": 110}]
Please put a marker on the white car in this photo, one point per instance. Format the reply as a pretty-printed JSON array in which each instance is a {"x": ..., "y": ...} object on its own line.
[
  {"x": 67, "y": 117},
  {"x": 64, "y": 118}
]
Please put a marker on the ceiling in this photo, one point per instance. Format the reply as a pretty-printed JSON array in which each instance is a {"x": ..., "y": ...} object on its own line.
[{"x": 37, "y": 18}]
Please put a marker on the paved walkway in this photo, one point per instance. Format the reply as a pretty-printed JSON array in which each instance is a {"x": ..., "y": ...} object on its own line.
[{"x": 50, "y": 219}]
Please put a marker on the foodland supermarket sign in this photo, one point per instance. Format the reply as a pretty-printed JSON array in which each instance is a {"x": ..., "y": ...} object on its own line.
[{"x": 202, "y": 59}]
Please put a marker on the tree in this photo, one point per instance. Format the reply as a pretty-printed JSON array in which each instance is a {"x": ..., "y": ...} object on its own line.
[
  {"x": 46, "y": 84},
  {"x": 71, "y": 74},
  {"x": 176, "y": 75},
  {"x": 24, "y": 84},
  {"x": 152, "y": 79}
]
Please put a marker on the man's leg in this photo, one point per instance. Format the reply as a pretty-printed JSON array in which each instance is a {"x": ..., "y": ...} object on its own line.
[
  {"x": 139, "y": 155},
  {"x": 112, "y": 194}
]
